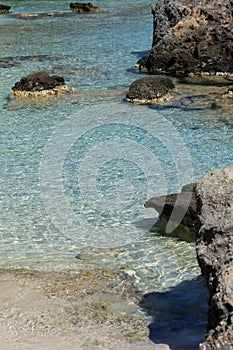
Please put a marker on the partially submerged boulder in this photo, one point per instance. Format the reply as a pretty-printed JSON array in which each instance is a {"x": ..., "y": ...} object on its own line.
[
  {"x": 84, "y": 7},
  {"x": 150, "y": 90},
  {"x": 191, "y": 37},
  {"x": 210, "y": 211},
  {"x": 40, "y": 84},
  {"x": 180, "y": 210},
  {"x": 4, "y": 9}
]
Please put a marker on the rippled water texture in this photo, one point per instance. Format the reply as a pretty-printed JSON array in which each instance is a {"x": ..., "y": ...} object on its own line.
[{"x": 75, "y": 167}]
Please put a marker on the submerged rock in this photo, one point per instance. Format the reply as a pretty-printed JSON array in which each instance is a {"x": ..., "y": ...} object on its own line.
[
  {"x": 191, "y": 37},
  {"x": 84, "y": 7},
  {"x": 32, "y": 16},
  {"x": 4, "y": 9},
  {"x": 40, "y": 84},
  {"x": 211, "y": 213},
  {"x": 150, "y": 90}
]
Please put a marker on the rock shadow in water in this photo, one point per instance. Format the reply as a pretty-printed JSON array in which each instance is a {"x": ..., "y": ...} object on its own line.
[{"x": 179, "y": 315}]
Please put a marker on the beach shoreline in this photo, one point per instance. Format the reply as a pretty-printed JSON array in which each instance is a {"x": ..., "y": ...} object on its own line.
[{"x": 81, "y": 308}]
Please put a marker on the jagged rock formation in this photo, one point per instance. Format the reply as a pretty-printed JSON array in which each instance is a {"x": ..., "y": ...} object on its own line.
[
  {"x": 150, "y": 90},
  {"x": 84, "y": 7},
  {"x": 211, "y": 212},
  {"x": 180, "y": 210},
  {"x": 191, "y": 37},
  {"x": 215, "y": 254},
  {"x": 39, "y": 84}
]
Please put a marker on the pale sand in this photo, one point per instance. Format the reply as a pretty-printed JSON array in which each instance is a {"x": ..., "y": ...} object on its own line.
[{"x": 71, "y": 310}]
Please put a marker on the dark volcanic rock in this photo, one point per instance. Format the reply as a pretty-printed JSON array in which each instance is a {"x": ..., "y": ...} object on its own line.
[
  {"x": 84, "y": 7},
  {"x": 4, "y": 9},
  {"x": 166, "y": 14},
  {"x": 40, "y": 84},
  {"x": 192, "y": 37},
  {"x": 150, "y": 89},
  {"x": 38, "y": 81}
]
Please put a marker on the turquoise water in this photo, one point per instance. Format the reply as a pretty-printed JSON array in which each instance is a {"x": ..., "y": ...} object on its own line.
[
  {"x": 75, "y": 171},
  {"x": 96, "y": 55}
]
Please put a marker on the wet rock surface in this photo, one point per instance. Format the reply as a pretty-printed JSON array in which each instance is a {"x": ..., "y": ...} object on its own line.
[
  {"x": 150, "y": 90},
  {"x": 191, "y": 37}
]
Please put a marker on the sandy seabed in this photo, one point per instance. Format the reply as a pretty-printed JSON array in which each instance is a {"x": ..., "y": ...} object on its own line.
[{"x": 71, "y": 309}]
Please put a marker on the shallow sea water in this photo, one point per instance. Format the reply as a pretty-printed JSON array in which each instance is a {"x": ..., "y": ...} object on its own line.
[{"x": 76, "y": 171}]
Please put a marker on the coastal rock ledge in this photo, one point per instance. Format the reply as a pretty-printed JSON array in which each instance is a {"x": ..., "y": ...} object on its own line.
[
  {"x": 210, "y": 213},
  {"x": 191, "y": 38},
  {"x": 40, "y": 84}
]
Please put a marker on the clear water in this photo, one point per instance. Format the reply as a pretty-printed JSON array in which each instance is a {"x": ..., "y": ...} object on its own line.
[{"x": 56, "y": 201}]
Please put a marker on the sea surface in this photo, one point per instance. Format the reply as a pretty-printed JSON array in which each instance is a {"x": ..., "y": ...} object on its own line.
[{"x": 76, "y": 170}]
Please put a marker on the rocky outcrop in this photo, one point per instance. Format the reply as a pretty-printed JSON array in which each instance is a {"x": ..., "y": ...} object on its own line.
[
  {"x": 150, "y": 90},
  {"x": 215, "y": 254},
  {"x": 180, "y": 210},
  {"x": 4, "y": 9},
  {"x": 211, "y": 213},
  {"x": 40, "y": 84},
  {"x": 84, "y": 8},
  {"x": 191, "y": 38}
]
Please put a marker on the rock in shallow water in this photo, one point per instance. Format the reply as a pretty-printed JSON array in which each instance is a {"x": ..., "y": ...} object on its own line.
[
  {"x": 84, "y": 7},
  {"x": 40, "y": 84},
  {"x": 150, "y": 90},
  {"x": 4, "y": 9}
]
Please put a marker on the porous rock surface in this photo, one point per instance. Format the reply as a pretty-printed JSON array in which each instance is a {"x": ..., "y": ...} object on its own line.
[
  {"x": 84, "y": 7},
  {"x": 150, "y": 90},
  {"x": 215, "y": 254},
  {"x": 191, "y": 38},
  {"x": 212, "y": 199},
  {"x": 39, "y": 84}
]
